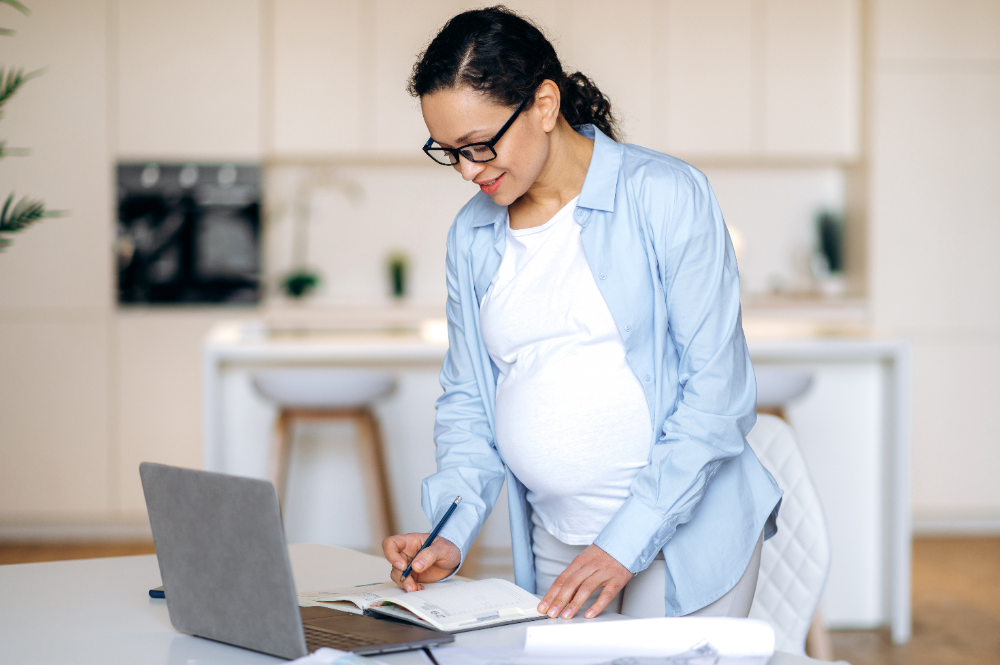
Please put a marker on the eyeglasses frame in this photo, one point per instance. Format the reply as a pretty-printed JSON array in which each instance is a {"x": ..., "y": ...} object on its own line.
[{"x": 457, "y": 152}]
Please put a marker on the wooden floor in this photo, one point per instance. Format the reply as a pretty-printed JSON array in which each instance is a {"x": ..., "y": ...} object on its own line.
[
  {"x": 38, "y": 552},
  {"x": 956, "y": 601},
  {"x": 956, "y": 609}
]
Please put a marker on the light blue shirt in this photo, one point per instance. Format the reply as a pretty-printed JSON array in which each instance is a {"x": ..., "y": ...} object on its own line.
[{"x": 661, "y": 257}]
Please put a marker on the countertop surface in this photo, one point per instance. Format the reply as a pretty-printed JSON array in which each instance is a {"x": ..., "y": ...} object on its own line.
[{"x": 427, "y": 341}]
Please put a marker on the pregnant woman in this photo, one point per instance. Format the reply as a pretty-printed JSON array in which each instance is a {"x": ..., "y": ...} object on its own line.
[{"x": 596, "y": 353}]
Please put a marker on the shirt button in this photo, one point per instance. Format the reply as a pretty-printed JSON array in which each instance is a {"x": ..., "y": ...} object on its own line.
[
  {"x": 647, "y": 377},
  {"x": 628, "y": 328},
  {"x": 602, "y": 276}
]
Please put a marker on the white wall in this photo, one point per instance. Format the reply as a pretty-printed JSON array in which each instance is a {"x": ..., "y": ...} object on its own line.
[
  {"x": 87, "y": 391},
  {"x": 935, "y": 233},
  {"x": 56, "y": 315}
]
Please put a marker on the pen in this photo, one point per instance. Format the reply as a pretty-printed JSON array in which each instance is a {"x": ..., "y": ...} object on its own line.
[{"x": 434, "y": 533}]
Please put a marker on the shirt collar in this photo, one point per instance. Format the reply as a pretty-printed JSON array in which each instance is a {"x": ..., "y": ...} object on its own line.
[{"x": 599, "y": 186}]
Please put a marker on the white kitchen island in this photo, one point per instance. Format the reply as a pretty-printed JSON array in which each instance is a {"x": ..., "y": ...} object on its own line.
[{"x": 853, "y": 426}]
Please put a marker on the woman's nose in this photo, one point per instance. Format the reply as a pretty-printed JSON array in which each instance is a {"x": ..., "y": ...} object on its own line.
[{"x": 469, "y": 170}]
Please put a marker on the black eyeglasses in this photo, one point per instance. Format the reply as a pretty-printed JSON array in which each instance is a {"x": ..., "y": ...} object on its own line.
[{"x": 474, "y": 152}]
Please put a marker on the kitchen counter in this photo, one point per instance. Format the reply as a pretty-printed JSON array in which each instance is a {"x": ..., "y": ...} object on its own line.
[{"x": 853, "y": 427}]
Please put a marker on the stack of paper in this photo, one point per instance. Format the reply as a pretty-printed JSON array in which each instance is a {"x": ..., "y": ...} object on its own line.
[{"x": 669, "y": 641}]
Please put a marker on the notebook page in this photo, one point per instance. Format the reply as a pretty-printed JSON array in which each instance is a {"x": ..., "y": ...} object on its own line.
[
  {"x": 362, "y": 596},
  {"x": 483, "y": 602}
]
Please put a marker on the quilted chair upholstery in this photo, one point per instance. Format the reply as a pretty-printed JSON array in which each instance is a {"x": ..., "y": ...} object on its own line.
[{"x": 794, "y": 564}]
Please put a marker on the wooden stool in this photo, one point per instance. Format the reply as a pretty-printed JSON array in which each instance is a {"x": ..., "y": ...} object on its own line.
[{"x": 332, "y": 395}]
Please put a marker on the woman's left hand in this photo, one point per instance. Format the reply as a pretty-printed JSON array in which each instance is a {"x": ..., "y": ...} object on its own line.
[{"x": 592, "y": 569}]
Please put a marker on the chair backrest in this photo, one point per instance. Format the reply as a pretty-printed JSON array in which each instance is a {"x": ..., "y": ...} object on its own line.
[{"x": 795, "y": 563}]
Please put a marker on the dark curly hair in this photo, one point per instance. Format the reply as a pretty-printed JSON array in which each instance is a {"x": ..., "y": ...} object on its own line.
[{"x": 506, "y": 56}]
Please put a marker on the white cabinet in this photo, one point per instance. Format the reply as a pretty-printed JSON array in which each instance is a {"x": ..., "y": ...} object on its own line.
[
  {"x": 707, "y": 75},
  {"x": 758, "y": 78},
  {"x": 614, "y": 48},
  {"x": 403, "y": 28},
  {"x": 54, "y": 402},
  {"x": 716, "y": 78},
  {"x": 811, "y": 77},
  {"x": 318, "y": 82},
  {"x": 189, "y": 79},
  {"x": 157, "y": 382}
]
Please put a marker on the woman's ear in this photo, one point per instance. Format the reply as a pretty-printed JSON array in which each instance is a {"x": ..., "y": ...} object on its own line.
[{"x": 547, "y": 104}]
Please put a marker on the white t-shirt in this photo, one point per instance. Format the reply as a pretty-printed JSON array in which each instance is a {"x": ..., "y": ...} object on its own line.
[{"x": 572, "y": 421}]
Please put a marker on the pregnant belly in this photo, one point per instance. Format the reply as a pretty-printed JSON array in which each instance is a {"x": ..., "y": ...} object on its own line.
[{"x": 576, "y": 429}]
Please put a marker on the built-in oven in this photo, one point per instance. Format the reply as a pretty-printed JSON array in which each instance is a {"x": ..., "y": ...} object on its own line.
[{"x": 188, "y": 233}]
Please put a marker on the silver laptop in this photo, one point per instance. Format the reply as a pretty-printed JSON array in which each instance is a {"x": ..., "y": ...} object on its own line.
[{"x": 225, "y": 570}]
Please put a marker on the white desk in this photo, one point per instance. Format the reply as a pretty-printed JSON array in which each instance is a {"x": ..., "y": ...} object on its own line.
[{"x": 97, "y": 612}]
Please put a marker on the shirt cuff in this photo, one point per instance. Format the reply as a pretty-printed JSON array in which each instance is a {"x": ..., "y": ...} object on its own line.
[
  {"x": 634, "y": 535},
  {"x": 461, "y": 529}
]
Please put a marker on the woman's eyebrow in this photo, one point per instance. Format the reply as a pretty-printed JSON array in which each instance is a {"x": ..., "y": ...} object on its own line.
[{"x": 465, "y": 137}]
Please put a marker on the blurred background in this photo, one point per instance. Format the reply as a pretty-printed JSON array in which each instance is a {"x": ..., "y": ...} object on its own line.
[{"x": 251, "y": 169}]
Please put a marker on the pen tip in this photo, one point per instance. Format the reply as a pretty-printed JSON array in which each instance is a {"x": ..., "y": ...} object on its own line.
[{"x": 458, "y": 499}]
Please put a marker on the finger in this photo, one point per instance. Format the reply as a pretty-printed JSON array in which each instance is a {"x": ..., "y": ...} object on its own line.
[
  {"x": 399, "y": 550},
  {"x": 414, "y": 541},
  {"x": 581, "y": 596},
  {"x": 425, "y": 560},
  {"x": 550, "y": 596},
  {"x": 550, "y": 600},
  {"x": 409, "y": 584},
  {"x": 390, "y": 549},
  {"x": 568, "y": 591},
  {"x": 610, "y": 591}
]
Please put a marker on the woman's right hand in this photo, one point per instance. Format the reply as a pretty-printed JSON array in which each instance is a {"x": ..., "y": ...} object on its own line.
[{"x": 434, "y": 563}]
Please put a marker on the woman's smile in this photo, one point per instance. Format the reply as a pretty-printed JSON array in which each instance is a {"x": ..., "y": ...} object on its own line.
[{"x": 490, "y": 187}]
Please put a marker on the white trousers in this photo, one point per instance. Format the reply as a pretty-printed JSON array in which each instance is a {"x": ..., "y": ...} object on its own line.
[{"x": 642, "y": 597}]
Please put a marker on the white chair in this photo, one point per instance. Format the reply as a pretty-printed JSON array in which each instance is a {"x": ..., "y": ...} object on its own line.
[
  {"x": 795, "y": 563},
  {"x": 777, "y": 386},
  {"x": 333, "y": 394}
]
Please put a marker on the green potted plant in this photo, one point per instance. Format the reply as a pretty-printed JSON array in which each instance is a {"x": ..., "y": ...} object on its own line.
[{"x": 16, "y": 214}]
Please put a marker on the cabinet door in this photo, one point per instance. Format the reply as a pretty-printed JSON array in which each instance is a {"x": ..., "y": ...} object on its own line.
[
  {"x": 189, "y": 79},
  {"x": 812, "y": 77},
  {"x": 56, "y": 443},
  {"x": 317, "y": 77},
  {"x": 708, "y": 77},
  {"x": 403, "y": 28},
  {"x": 158, "y": 383},
  {"x": 614, "y": 48}
]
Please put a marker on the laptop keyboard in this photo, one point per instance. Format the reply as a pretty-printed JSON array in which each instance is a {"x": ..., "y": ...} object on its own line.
[{"x": 317, "y": 637}]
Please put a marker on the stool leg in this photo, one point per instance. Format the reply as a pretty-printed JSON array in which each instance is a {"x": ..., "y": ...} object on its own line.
[
  {"x": 282, "y": 454},
  {"x": 379, "y": 496},
  {"x": 818, "y": 643}
]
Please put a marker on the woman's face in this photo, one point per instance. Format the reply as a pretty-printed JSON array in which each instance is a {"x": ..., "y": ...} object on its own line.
[{"x": 460, "y": 116}]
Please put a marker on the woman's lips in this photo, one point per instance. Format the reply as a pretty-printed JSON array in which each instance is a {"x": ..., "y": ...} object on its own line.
[{"x": 491, "y": 187}]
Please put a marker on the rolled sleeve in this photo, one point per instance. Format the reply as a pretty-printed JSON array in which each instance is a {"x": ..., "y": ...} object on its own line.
[{"x": 468, "y": 464}]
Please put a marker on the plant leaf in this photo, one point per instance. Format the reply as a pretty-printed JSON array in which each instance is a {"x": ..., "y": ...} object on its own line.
[
  {"x": 15, "y": 79},
  {"x": 12, "y": 152},
  {"x": 19, "y": 216},
  {"x": 16, "y": 5},
  {"x": 24, "y": 213}
]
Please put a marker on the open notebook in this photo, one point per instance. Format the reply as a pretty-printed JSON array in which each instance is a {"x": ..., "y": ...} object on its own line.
[{"x": 452, "y": 606}]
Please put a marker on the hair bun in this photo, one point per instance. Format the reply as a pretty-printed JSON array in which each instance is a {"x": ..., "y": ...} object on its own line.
[{"x": 506, "y": 56}]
